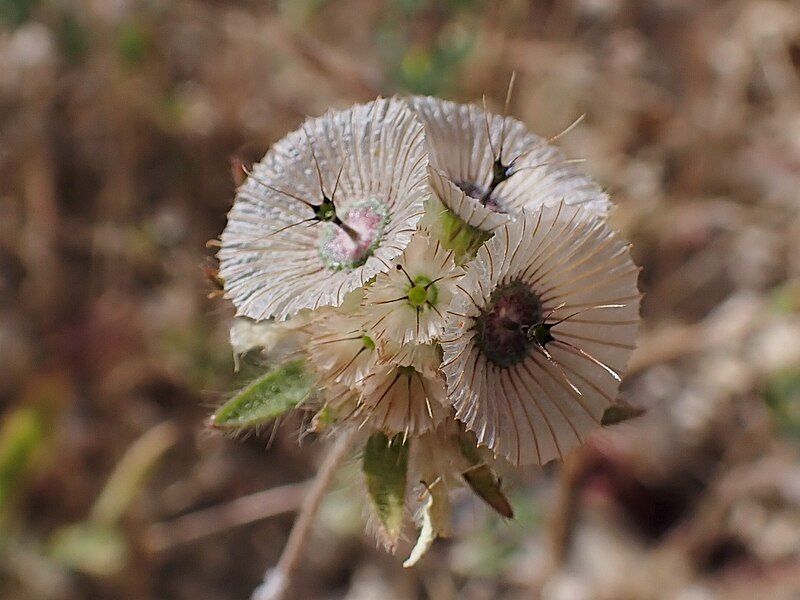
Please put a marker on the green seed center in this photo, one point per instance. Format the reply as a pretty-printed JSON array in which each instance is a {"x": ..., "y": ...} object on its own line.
[
  {"x": 422, "y": 292},
  {"x": 326, "y": 211},
  {"x": 417, "y": 295}
]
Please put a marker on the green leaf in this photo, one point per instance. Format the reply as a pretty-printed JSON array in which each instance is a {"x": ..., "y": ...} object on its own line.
[
  {"x": 385, "y": 469},
  {"x": 20, "y": 438},
  {"x": 782, "y": 395},
  {"x": 74, "y": 38},
  {"x": 26, "y": 434},
  {"x": 131, "y": 473},
  {"x": 16, "y": 12},
  {"x": 96, "y": 546},
  {"x": 133, "y": 43},
  {"x": 267, "y": 398},
  {"x": 484, "y": 482},
  {"x": 620, "y": 411},
  {"x": 89, "y": 547}
]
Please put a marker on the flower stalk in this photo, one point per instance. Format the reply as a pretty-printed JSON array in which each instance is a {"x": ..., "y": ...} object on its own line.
[{"x": 277, "y": 580}]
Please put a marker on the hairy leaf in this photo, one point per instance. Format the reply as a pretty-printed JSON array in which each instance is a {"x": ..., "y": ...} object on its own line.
[
  {"x": 385, "y": 469},
  {"x": 267, "y": 398}
]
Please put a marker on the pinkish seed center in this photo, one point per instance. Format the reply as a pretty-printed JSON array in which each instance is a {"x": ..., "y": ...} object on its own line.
[
  {"x": 350, "y": 247},
  {"x": 483, "y": 196}
]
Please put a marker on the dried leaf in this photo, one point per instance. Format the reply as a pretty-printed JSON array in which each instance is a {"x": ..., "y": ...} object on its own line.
[
  {"x": 620, "y": 411},
  {"x": 267, "y": 398},
  {"x": 484, "y": 482},
  {"x": 434, "y": 522},
  {"x": 426, "y": 535}
]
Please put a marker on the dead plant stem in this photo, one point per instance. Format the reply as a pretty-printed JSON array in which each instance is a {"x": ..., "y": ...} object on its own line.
[{"x": 278, "y": 579}]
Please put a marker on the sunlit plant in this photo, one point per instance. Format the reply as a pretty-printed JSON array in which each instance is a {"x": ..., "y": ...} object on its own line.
[{"x": 438, "y": 287}]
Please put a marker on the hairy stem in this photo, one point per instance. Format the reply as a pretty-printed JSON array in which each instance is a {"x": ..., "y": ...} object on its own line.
[{"x": 277, "y": 580}]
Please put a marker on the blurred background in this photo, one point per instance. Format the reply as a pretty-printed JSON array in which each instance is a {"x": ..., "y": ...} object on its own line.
[{"x": 119, "y": 123}]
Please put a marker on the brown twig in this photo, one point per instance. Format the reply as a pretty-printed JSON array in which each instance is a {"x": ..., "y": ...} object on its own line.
[
  {"x": 217, "y": 519},
  {"x": 277, "y": 580},
  {"x": 563, "y": 517}
]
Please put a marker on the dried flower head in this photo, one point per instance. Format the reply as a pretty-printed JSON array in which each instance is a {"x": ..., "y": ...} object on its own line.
[
  {"x": 402, "y": 399},
  {"x": 342, "y": 349},
  {"x": 329, "y": 207},
  {"x": 496, "y": 328},
  {"x": 485, "y": 166},
  {"x": 407, "y": 303},
  {"x": 536, "y": 343}
]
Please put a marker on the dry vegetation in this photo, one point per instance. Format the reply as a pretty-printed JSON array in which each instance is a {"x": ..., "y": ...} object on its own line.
[{"x": 118, "y": 123}]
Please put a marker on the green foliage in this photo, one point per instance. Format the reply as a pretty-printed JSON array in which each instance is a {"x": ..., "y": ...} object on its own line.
[
  {"x": 97, "y": 546},
  {"x": 267, "y": 398},
  {"x": 26, "y": 433},
  {"x": 786, "y": 297},
  {"x": 73, "y": 37},
  {"x": 385, "y": 469},
  {"x": 89, "y": 547},
  {"x": 300, "y": 12},
  {"x": 486, "y": 484},
  {"x": 132, "y": 44},
  {"x": 427, "y": 66},
  {"x": 493, "y": 548},
  {"x": 193, "y": 353},
  {"x": 130, "y": 474},
  {"x": 16, "y": 12},
  {"x": 783, "y": 398},
  {"x": 20, "y": 438}
]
